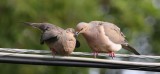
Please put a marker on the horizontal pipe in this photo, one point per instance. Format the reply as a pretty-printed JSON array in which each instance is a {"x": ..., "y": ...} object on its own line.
[{"x": 36, "y": 59}]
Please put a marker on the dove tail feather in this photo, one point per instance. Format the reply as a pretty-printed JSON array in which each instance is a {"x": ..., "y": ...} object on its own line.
[
  {"x": 131, "y": 49},
  {"x": 41, "y": 26},
  {"x": 37, "y": 25}
]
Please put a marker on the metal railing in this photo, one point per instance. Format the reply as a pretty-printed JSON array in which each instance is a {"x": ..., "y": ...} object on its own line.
[{"x": 77, "y": 59}]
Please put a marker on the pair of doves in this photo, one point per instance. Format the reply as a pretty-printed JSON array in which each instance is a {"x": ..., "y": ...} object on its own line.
[{"x": 101, "y": 36}]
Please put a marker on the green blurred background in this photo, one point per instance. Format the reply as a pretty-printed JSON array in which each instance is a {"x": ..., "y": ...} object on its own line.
[{"x": 138, "y": 19}]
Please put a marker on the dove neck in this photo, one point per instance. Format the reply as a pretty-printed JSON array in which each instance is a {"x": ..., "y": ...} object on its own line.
[{"x": 87, "y": 34}]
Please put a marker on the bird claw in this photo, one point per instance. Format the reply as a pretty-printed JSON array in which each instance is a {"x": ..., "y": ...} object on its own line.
[
  {"x": 111, "y": 54},
  {"x": 53, "y": 51},
  {"x": 95, "y": 54}
]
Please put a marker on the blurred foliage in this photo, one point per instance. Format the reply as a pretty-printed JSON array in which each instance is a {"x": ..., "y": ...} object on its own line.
[{"x": 134, "y": 17}]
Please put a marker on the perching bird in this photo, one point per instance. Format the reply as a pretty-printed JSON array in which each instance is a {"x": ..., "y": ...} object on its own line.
[
  {"x": 103, "y": 37},
  {"x": 60, "y": 41}
]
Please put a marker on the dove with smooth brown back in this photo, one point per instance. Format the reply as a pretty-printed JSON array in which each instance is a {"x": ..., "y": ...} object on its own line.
[{"x": 104, "y": 37}]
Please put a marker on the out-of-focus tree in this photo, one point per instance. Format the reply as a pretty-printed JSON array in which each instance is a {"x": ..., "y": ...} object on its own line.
[{"x": 134, "y": 17}]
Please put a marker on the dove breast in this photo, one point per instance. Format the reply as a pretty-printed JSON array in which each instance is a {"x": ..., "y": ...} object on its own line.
[{"x": 98, "y": 41}]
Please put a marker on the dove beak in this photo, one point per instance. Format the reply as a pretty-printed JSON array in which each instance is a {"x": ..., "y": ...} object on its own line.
[{"x": 76, "y": 34}]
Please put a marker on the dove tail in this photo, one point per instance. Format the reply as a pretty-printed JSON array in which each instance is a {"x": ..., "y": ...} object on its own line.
[
  {"x": 36, "y": 25},
  {"x": 41, "y": 26},
  {"x": 131, "y": 49}
]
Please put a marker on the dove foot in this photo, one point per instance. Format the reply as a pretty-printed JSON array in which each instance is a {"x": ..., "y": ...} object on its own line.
[
  {"x": 111, "y": 54},
  {"x": 53, "y": 51},
  {"x": 95, "y": 54}
]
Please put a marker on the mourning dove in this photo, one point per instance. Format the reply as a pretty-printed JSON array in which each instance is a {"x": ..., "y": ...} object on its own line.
[
  {"x": 60, "y": 41},
  {"x": 104, "y": 37}
]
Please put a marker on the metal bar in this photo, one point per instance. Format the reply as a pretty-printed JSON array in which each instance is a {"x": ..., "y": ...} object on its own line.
[
  {"x": 29, "y": 51},
  {"x": 36, "y": 59}
]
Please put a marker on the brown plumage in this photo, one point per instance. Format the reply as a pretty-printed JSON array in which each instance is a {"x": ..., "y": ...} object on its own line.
[
  {"x": 104, "y": 37},
  {"x": 60, "y": 41}
]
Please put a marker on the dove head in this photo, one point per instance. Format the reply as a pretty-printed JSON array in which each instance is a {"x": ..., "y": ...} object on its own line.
[
  {"x": 70, "y": 30},
  {"x": 81, "y": 28}
]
